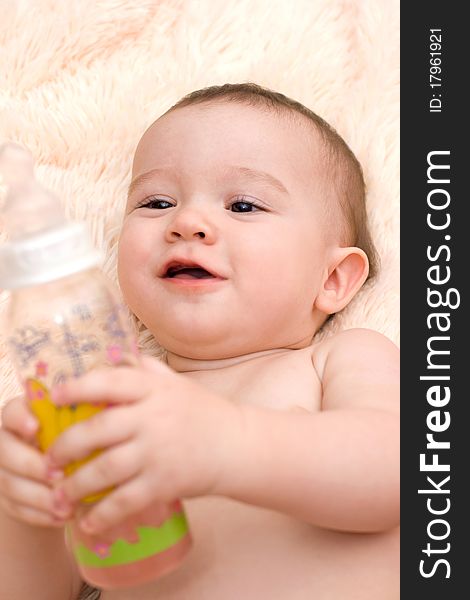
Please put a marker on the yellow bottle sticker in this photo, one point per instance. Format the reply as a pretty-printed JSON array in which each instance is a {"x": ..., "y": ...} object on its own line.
[{"x": 56, "y": 419}]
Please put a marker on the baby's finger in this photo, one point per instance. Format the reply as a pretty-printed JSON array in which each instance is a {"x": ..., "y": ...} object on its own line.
[
  {"x": 125, "y": 501},
  {"x": 106, "y": 428},
  {"x": 110, "y": 468},
  {"x": 30, "y": 515},
  {"x": 17, "y": 417},
  {"x": 18, "y": 457},
  {"x": 26, "y": 492},
  {"x": 113, "y": 385}
]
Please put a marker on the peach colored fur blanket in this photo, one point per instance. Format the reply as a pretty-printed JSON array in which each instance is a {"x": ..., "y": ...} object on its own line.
[{"x": 81, "y": 80}]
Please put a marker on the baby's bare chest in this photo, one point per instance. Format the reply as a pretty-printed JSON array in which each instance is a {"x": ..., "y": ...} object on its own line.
[{"x": 282, "y": 382}]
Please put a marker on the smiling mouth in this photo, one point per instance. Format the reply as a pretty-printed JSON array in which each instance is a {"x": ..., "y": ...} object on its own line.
[{"x": 185, "y": 272}]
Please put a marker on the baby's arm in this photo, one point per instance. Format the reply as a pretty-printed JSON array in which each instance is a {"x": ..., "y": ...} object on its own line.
[
  {"x": 34, "y": 561},
  {"x": 170, "y": 437},
  {"x": 338, "y": 468}
]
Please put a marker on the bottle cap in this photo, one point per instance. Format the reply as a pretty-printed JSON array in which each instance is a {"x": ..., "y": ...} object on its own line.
[{"x": 43, "y": 245}]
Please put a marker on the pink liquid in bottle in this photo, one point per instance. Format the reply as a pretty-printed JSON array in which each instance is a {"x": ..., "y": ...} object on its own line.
[{"x": 147, "y": 546}]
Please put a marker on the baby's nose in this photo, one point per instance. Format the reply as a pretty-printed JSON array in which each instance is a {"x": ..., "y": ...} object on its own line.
[{"x": 190, "y": 225}]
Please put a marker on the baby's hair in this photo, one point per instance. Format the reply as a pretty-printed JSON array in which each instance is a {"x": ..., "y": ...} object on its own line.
[{"x": 344, "y": 169}]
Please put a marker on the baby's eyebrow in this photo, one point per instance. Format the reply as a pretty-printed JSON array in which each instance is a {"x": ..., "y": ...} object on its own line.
[
  {"x": 141, "y": 179},
  {"x": 254, "y": 175},
  {"x": 244, "y": 172}
]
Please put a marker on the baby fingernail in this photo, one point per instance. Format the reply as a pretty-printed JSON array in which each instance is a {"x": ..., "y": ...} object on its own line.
[
  {"x": 61, "y": 504},
  {"x": 54, "y": 474},
  {"x": 61, "y": 516}
]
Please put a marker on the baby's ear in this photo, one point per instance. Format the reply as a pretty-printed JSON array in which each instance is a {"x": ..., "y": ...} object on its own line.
[{"x": 347, "y": 272}]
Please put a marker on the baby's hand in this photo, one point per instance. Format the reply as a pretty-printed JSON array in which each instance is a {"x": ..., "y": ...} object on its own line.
[
  {"x": 25, "y": 490},
  {"x": 164, "y": 437}
]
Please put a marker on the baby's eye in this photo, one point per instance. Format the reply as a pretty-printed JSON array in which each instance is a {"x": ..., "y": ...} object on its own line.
[
  {"x": 242, "y": 205},
  {"x": 157, "y": 203}
]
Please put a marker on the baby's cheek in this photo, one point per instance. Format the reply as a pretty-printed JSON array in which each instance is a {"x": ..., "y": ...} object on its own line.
[
  {"x": 132, "y": 254},
  {"x": 129, "y": 270}
]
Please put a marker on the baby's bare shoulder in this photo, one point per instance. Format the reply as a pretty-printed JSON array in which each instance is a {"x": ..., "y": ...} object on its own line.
[
  {"x": 356, "y": 359},
  {"x": 362, "y": 344}
]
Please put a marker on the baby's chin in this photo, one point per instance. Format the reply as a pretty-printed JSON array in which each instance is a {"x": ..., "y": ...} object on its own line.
[
  {"x": 196, "y": 349},
  {"x": 204, "y": 347},
  {"x": 219, "y": 340}
]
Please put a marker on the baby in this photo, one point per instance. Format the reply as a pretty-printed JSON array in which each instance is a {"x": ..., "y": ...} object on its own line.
[{"x": 245, "y": 229}]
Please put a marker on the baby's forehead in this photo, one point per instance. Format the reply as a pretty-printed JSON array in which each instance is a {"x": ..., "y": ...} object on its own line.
[
  {"x": 240, "y": 133},
  {"x": 280, "y": 119}
]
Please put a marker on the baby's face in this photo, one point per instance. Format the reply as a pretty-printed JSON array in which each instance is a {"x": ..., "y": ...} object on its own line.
[{"x": 237, "y": 192}]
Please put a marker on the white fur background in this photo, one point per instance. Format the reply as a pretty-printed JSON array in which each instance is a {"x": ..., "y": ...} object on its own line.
[{"x": 80, "y": 81}]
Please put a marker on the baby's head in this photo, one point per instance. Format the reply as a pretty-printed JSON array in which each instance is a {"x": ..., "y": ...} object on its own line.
[{"x": 245, "y": 226}]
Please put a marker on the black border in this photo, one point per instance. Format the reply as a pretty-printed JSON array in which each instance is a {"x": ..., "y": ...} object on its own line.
[{"x": 423, "y": 132}]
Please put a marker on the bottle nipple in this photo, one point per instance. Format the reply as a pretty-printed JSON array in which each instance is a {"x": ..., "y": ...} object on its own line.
[
  {"x": 28, "y": 207},
  {"x": 43, "y": 245}
]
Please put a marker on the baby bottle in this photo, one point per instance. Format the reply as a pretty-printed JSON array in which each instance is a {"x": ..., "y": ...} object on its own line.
[{"x": 64, "y": 319}]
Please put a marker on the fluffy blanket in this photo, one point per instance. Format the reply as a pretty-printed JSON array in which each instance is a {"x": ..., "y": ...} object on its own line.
[{"x": 81, "y": 80}]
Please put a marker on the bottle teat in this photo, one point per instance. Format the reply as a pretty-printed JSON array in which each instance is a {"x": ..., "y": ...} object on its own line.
[
  {"x": 29, "y": 208},
  {"x": 43, "y": 245}
]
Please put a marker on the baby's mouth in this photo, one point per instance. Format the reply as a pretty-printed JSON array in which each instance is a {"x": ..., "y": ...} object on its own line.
[{"x": 185, "y": 272}]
